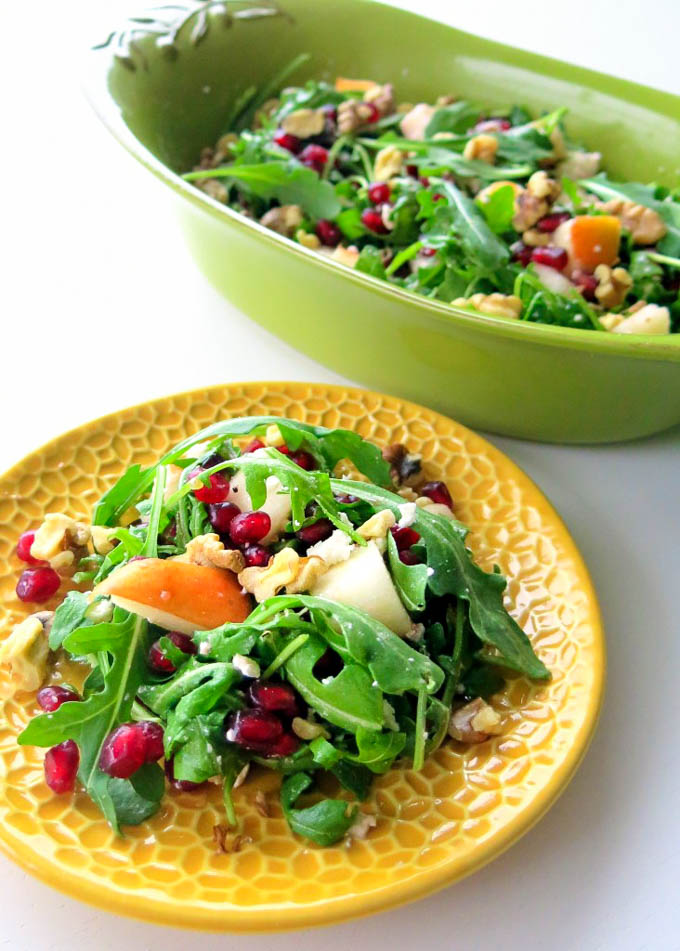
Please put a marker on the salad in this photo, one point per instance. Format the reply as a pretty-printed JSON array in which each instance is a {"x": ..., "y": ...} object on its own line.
[
  {"x": 496, "y": 211},
  {"x": 268, "y": 595}
]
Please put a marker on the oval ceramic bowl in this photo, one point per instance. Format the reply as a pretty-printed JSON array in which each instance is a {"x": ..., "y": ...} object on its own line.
[
  {"x": 466, "y": 806},
  {"x": 165, "y": 93}
]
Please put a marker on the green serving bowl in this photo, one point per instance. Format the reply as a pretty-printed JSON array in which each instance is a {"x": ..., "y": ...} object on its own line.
[{"x": 164, "y": 84}]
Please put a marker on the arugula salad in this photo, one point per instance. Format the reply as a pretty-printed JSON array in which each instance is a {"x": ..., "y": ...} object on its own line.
[
  {"x": 268, "y": 595},
  {"x": 495, "y": 211}
]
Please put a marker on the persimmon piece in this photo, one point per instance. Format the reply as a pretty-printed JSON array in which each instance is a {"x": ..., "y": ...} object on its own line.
[
  {"x": 353, "y": 85},
  {"x": 590, "y": 240},
  {"x": 177, "y": 595}
]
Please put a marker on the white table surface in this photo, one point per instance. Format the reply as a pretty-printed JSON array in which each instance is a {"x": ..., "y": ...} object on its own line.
[{"x": 95, "y": 269}]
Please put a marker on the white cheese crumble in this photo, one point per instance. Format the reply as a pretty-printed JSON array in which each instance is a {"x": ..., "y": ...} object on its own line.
[
  {"x": 338, "y": 547},
  {"x": 246, "y": 665},
  {"x": 408, "y": 514}
]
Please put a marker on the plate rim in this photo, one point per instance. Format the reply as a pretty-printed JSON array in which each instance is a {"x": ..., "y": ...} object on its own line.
[{"x": 254, "y": 918}]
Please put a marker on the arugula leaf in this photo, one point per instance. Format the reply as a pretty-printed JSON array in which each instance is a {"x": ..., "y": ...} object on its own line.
[
  {"x": 137, "y": 798},
  {"x": 193, "y": 690},
  {"x": 196, "y": 757},
  {"x": 150, "y": 548},
  {"x": 458, "y": 117},
  {"x": 287, "y": 183},
  {"x": 498, "y": 209},
  {"x": 370, "y": 262},
  {"x": 410, "y": 580},
  {"x": 377, "y": 751},
  {"x": 462, "y": 217},
  {"x": 526, "y": 145},
  {"x": 353, "y": 777},
  {"x": 119, "y": 498},
  {"x": 124, "y": 641},
  {"x": 69, "y": 615},
  {"x": 325, "y": 823},
  {"x": 666, "y": 208},
  {"x": 350, "y": 223}
]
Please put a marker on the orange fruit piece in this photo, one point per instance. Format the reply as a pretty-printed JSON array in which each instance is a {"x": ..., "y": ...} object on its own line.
[
  {"x": 353, "y": 85},
  {"x": 176, "y": 595},
  {"x": 590, "y": 240}
]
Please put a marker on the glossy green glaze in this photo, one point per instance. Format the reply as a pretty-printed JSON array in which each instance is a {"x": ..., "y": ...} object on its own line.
[{"x": 528, "y": 380}]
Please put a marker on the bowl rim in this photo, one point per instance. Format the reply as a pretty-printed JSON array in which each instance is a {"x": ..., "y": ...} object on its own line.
[{"x": 665, "y": 347}]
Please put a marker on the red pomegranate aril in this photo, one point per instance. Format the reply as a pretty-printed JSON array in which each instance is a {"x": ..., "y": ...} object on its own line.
[
  {"x": 24, "y": 548},
  {"x": 274, "y": 697},
  {"x": 552, "y": 222},
  {"x": 437, "y": 196},
  {"x": 314, "y": 156},
  {"x": 304, "y": 459},
  {"x": 330, "y": 112},
  {"x": 437, "y": 492},
  {"x": 249, "y": 527},
  {"x": 256, "y": 556},
  {"x": 61, "y": 767},
  {"x": 521, "y": 253},
  {"x": 157, "y": 660},
  {"x": 493, "y": 125},
  {"x": 372, "y": 219},
  {"x": 51, "y": 698},
  {"x": 221, "y": 515},
  {"x": 425, "y": 182},
  {"x": 428, "y": 252},
  {"x": 152, "y": 734},
  {"x": 180, "y": 785},
  {"x": 328, "y": 233},
  {"x": 409, "y": 557},
  {"x": 343, "y": 499},
  {"x": 375, "y": 112},
  {"x": 287, "y": 141},
  {"x": 586, "y": 282},
  {"x": 379, "y": 193},
  {"x": 254, "y": 445},
  {"x": 413, "y": 171},
  {"x": 404, "y": 537},
  {"x": 36, "y": 585},
  {"x": 217, "y": 491},
  {"x": 550, "y": 257},
  {"x": 285, "y": 746},
  {"x": 256, "y": 730},
  {"x": 123, "y": 752},
  {"x": 318, "y": 532},
  {"x": 182, "y": 642},
  {"x": 283, "y": 449}
]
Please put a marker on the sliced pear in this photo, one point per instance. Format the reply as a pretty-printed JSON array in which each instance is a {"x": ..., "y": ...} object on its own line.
[
  {"x": 364, "y": 582},
  {"x": 176, "y": 595},
  {"x": 277, "y": 504}
]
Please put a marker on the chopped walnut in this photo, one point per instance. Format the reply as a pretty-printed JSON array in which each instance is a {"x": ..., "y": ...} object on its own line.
[
  {"x": 209, "y": 551},
  {"x": 579, "y": 165},
  {"x": 482, "y": 147},
  {"x": 388, "y": 163},
  {"x": 307, "y": 730},
  {"x": 559, "y": 145},
  {"x": 304, "y": 123},
  {"x": 225, "y": 147},
  {"x": 416, "y": 121},
  {"x": 474, "y": 722},
  {"x": 406, "y": 492},
  {"x": 382, "y": 97},
  {"x": 434, "y": 508},
  {"x": 261, "y": 804},
  {"x": 347, "y": 256},
  {"x": 285, "y": 570},
  {"x": 540, "y": 185},
  {"x": 378, "y": 525},
  {"x": 225, "y": 844},
  {"x": 534, "y": 238},
  {"x": 26, "y": 651},
  {"x": 362, "y": 825},
  {"x": 405, "y": 466},
  {"x": 352, "y": 115},
  {"x": 613, "y": 285},
  {"x": 528, "y": 210},
  {"x": 214, "y": 188},
  {"x": 496, "y": 305},
  {"x": 285, "y": 219},
  {"x": 102, "y": 539},
  {"x": 446, "y": 100},
  {"x": 59, "y": 539},
  {"x": 650, "y": 319},
  {"x": 307, "y": 239},
  {"x": 644, "y": 224}
]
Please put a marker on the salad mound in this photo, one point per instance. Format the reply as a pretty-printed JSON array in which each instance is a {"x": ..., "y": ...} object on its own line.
[
  {"x": 494, "y": 211},
  {"x": 268, "y": 595}
]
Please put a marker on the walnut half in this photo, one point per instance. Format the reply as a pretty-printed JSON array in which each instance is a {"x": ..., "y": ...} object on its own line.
[{"x": 474, "y": 722}]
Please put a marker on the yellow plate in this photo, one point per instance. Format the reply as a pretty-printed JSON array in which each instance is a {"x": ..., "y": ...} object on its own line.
[{"x": 434, "y": 827}]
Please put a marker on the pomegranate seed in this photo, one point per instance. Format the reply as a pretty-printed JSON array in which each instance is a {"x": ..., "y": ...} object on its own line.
[
  {"x": 314, "y": 156},
  {"x": 61, "y": 767},
  {"x": 284, "y": 450},
  {"x": 428, "y": 252},
  {"x": 157, "y": 659},
  {"x": 424, "y": 181},
  {"x": 330, "y": 112},
  {"x": 287, "y": 141},
  {"x": 328, "y": 233},
  {"x": 550, "y": 257},
  {"x": 437, "y": 196},
  {"x": 552, "y": 222},
  {"x": 51, "y": 698},
  {"x": 123, "y": 752},
  {"x": 221, "y": 515},
  {"x": 493, "y": 125},
  {"x": 274, "y": 697},
  {"x": 586, "y": 282},
  {"x": 152, "y": 734},
  {"x": 217, "y": 491},
  {"x": 254, "y": 730},
  {"x": 311, "y": 534},
  {"x": 409, "y": 557},
  {"x": 343, "y": 499},
  {"x": 372, "y": 220},
  {"x": 286, "y": 746},
  {"x": 180, "y": 785},
  {"x": 256, "y": 556},
  {"x": 412, "y": 170},
  {"x": 375, "y": 112},
  {"x": 438, "y": 492},
  {"x": 24, "y": 548},
  {"x": 404, "y": 537},
  {"x": 254, "y": 445},
  {"x": 379, "y": 193},
  {"x": 37, "y": 584},
  {"x": 521, "y": 253},
  {"x": 249, "y": 527},
  {"x": 304, "y": 459}
]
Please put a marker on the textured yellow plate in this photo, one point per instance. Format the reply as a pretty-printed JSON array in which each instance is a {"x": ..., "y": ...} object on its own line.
[{"x": 463, "y": 809}]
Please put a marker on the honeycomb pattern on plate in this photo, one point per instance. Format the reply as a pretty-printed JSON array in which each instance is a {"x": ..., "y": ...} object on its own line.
[{"x": 432, "y": 827}]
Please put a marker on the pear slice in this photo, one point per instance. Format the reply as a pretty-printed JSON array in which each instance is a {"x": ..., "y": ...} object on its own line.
[
  {"x": 363, "y": 581},
  {"x": 176, "y": 595}
]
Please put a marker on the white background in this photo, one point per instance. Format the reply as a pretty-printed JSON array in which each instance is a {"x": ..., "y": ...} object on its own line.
[{"x": 95, "y": 287}]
